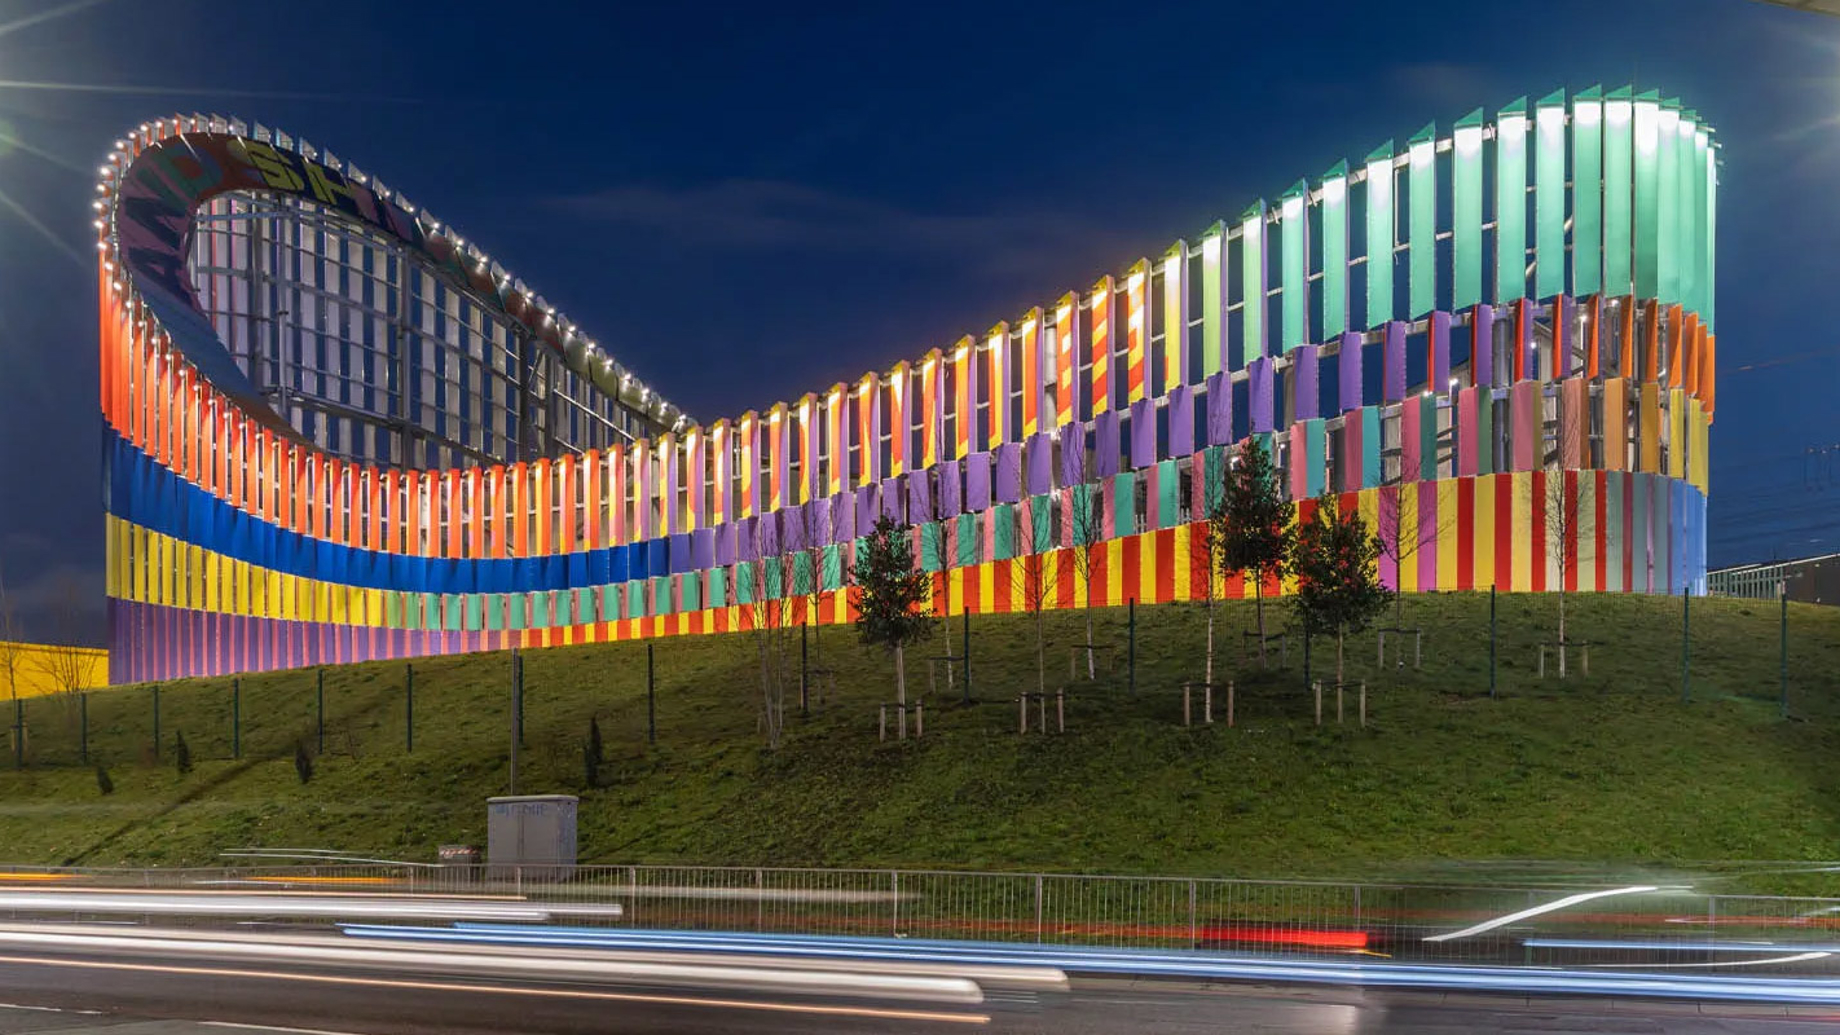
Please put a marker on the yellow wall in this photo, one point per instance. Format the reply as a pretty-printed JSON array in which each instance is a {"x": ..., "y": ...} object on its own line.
[{"x": 34, "y": 663}]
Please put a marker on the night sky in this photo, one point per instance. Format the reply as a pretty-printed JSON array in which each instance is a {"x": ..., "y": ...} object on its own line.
[{"x": 747, "y": 205}]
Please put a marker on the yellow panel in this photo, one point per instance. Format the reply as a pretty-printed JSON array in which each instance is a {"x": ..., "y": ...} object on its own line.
[
  {"x": 1484, "y": 539},
  {"x": 1146, "y": 568},
  {"x": 1616, "y": 424},
  {"x": 1114, "y": 573},
  {"x": 1447, "y": 533},
  {"x": 1182, "y": 543},
  {"x": 1650, "y": 429},
  {"x": 1520, "y": 572},
  {"x": 1677, "y": 433}
]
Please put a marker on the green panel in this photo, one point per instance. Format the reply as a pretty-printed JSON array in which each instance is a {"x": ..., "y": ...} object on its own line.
[
  {"x": 1466, "y": 212},
  {"x": 718, "y": 587},
  {"x": 584, "y": 607},
  {"x": 1702, "y": 226},
  {"x": 1168, "y": 494},
  {"x": 495, "y": 612},
  {"x": 1686, "y": 214},
  {"x": 520, "y": 611},
  {"x": 1667, "y": 203},
  {"x": 804, "y": 574},
  {"x": 1619, "y": 178},
  {"x": 1003, "y": 535},
  {"x": 1335, "y": 251},
  {"x": 1587, "y": 193},
  {"x": 1083, "y": 531},
  {"x": 1549, "y": 196},
  {"x": 1648, "y": 175},
  {"x": 1421, "y": 221},
  {"x": 1511, "y": 202},
  {"x": 833, "y": 567},
  {"x": 392, "y": 610},
  {"x": 429, "y": 616},
  {"x": 608, "y": 598},
  {"x": 635, "y": 600},
  {"x": 970, "y": 541},
  {"x": 1124, "y": 504},
  {"x": 1428, "y": 437},
  {"x": 931, "y": 553},
  {"x": 1293, "y": 225},
  {"x": 1379, "y": 248},
  {"x": 1712, "y": 238},
  {"x": 1252, "y": 260},
  {"x": 773, "y": 567},
  {"x": 1370, "y": 447},
  {"x": 1041, "y": 516},
  {"x": 1214, "y": 488},
  {"x": 693, "y": 589},
  {"x": 470, "y": 606},
  {"x": 744, "y": 582},
  {"x": 1212, "y": 325}
]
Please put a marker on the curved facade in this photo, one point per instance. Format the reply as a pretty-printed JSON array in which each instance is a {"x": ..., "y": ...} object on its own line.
[{"x": 338, "y": 432}]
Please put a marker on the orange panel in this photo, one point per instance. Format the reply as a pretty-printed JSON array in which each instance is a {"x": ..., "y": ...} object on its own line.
[
  {"x": 540, "y": 474},
  {"x": 1651, "y": 354},
  {"x": 412, "y": 512},
  {"x": 517, "y": 492},
  {"x": 495, "y": 495},
  {"x": 373, "y": 491},
  {"x": 1676, "y": 345},
  {"x": 594, "y": 508},
  {"x": 1593, "y": 319},
  {"x": 565, "y": 504},
  {"x": 476, "y": 517}
]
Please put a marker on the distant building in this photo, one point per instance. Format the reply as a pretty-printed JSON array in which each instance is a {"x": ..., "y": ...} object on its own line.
[{"x": 1810, "y": 580}]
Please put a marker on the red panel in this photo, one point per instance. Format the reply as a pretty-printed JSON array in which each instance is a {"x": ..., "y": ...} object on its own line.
[
  {"x": 1600, "y": 534},
  {"x": 1537, "y": 547}
]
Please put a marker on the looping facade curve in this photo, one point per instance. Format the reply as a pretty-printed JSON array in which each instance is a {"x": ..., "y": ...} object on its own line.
[{"x": 337, "y": 432}]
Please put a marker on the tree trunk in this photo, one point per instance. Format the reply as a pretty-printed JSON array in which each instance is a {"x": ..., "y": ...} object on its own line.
[
  {"x": 900, "y": 675},
  {"x": 1041, "y": 654},
  {"x": 1339, "y": 630},
  {"x": 1562, "y": 629},
  {"x": 1209, "y": 677},
  {"x": 1258, "y": 597},
  {"x": 945, "y": 606},
  {"x": 1092, "y": 671}
]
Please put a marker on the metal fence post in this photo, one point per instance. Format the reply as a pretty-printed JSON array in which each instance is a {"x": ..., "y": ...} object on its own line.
[
  {"x": 1038, "y": 890},
  {"x": 894, "y": 879},
  {"x": 1193, "y": 929}
]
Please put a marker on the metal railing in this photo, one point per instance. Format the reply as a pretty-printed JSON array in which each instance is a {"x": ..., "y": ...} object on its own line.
[{"x": 1419, "y": 922}]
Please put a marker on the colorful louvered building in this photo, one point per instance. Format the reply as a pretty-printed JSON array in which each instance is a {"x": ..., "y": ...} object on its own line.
[{"x": 336, "y": 431}]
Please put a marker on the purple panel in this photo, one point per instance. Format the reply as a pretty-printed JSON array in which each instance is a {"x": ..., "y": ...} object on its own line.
[
  {"x": 977, "y": 482},
  {"x": 920, "y": 497},
  {"x": 1259, "y": 397},
  {"x": 1143, "y": 433},
  {"x": 725, "y": 544},
  {"x": 949, "y": 490},
  {"x": 791, "y": 522},
  {"x": 1482, "y": 345},
  {"x": 843, "y": 517},
  {"x": 747, "y": 544},
  {"x": 867, "y": 507},
  {"x": 1009, "y": 472},
  {"x": 680, "y": 552},
  {"x": 1040, "y": 457},
  {"x": 1393, "y": 360},
  {"x": 1073, "y": 455},
  {"x": 703, "y": 548},
  {"x": 1525, "y": 327},
  {"x": 1106, "y": 433},
  {"x": 766, "y": 530},
  {"x": 891, "y": 498},
  {"x": 1349, "y": 370},
  {"x": 1305, "y": 397},
  {"x": 1219, "y": 409},
  {"x": 1181, "y": 420},
  {"x": 1439, "y": 366},
  {"x": 1562, "y": 335}
]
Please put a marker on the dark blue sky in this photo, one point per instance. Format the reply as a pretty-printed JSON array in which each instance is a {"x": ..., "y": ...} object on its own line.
[{"x": 747, "y": 204}]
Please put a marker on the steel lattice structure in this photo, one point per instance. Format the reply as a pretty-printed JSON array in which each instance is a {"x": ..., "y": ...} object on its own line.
[{"x": 336, "y": 431}]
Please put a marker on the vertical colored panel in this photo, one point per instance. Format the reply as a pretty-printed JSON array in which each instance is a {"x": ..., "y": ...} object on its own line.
[
  {"x": 1136, "y": 328},
  {"x": 997, "y": 349},
  {"x": 1293, "y": 227},
  {"x": 1668, "y": 250},
  {"x": 1100, "y": 314},
  {"x": 1647, "y": 181},
  {"x": 1334, "y": 209},
  {"x": 837, "y": 473},
  {"x": 1649, "y": 428},
  {"x": 1035, "y": 400},
  {"x": 1619, "y": 186},
  {"x": 1484, "y": 533},
  {"x": 1066, "y": 361},
  {"x": 1706, "y": 227},
  {"x": 1421, "y": 221},
  {"x": 1213, "y": 303},
  {"x": 1467, "y": 212},
  {"x": 1379, "y": 248},
  {"x": 869, "y": 426},
  {"x": 1549, "y": 196},
  {"x": 1175, "y": 319},
  {"x": 1587, "y": 194},
  {"x": 1253, "y": 258},
  {"x": 900, "y": 421},
  {"x": 1511, "y": 202}
]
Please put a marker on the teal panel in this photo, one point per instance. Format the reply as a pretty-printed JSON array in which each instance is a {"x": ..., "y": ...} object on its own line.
[
  {"x": 1335, "y": 251},
  {"x": 1379, "y": 247},
  {"x": 607, "y": 603},
  {"x": 1619, "y": 186},
  {"x": 932, "y": 554},
  {"x": 1648, "y": 175},
  {"x": 1667, "y": 204},
  {"x": 1003, "y": 532},
  {"x": 1712, "y": 239},
  {"x": 471, "y": 606},
  {"x": 1041, "y": 517},
  {"x": 392, "y": 611},
  {"x": 520, "y": 611},
  {"x": 1466, "y": 211},
  {"x": 1252, "y": 283},
  {"x": 1587, "y": 193},
  {"x": 1686, "y": 202},
  {"x": 1639, "y": 538},
  {"x": 802, "y": 569},
  {"x": 1428, "y": 437},
  {"x": 1168, "y": 494},
  {"x": 718, "y": 587},
  {"x": 1213, "y": 303},
  {"x": 584, "y": 607},
  {"x": 1083, "y": 531},
  {"x": 833, "y": 567},
  {"x": 1293, "y": 227},
  {"x": 539, "y": 611},
  {"x": 1370, "y": 446},
  {"x": 693, "y": 589},
  {"x": 1316, "y": 449},
  {"x": 494, "y": 612},
  {"x": 448, "y": 613},
  {"x": 970, "y": 543},
  {"x": 1511, "y": 202},
  {"x": 1702, "y": 226},
  {"x": 1124, "y": 503},
  {"x": 1215, "y": 488},
  {"x": 1421, "y": 221},
  {"x": 1549, "y": 196},
  {"x": 428, "y": 616}
]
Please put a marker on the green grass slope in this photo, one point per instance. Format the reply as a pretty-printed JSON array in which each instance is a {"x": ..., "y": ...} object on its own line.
[{"x": 1609, "y": 767}]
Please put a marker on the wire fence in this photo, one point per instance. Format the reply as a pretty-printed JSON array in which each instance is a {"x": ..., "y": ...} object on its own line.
[{"x": 1609, "y": 926}]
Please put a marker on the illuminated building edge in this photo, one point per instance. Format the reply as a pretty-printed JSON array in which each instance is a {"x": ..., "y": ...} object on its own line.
[{"x": 234, "y": 546}]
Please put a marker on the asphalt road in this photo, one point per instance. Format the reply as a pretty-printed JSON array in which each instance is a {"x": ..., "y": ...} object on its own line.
[{"x": 89, "y": 994}]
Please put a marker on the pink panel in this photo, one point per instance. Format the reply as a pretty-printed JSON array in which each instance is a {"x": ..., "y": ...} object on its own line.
[
  {"x": 1410, "y": 416},
  {"x": 1524, "y": 432},
  {"x": 1466, "y": 432}
]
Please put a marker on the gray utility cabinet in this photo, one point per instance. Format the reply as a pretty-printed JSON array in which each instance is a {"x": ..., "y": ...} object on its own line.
[{"x": 531, "y": 835}]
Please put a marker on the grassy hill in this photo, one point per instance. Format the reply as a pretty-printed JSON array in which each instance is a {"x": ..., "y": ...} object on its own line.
[{"x": 1609, "y": 767}]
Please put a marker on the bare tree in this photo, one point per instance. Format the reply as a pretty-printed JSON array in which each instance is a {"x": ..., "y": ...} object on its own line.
[
  {"x": 12, "y": 650},
  {"x": 1206, "y": 546},
  {"x": 66, "y": 662},
  {"x": 1085, "y": 521},
  {"x": 775, "y": 587},
  {"x": 1034, "y": 580},
  {"x": 1403, "y": 540},
  {"x": 1565, "y": 516}
]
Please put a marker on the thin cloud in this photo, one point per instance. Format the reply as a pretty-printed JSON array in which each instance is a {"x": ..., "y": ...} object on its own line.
[{"x": 772, "y": 215}]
